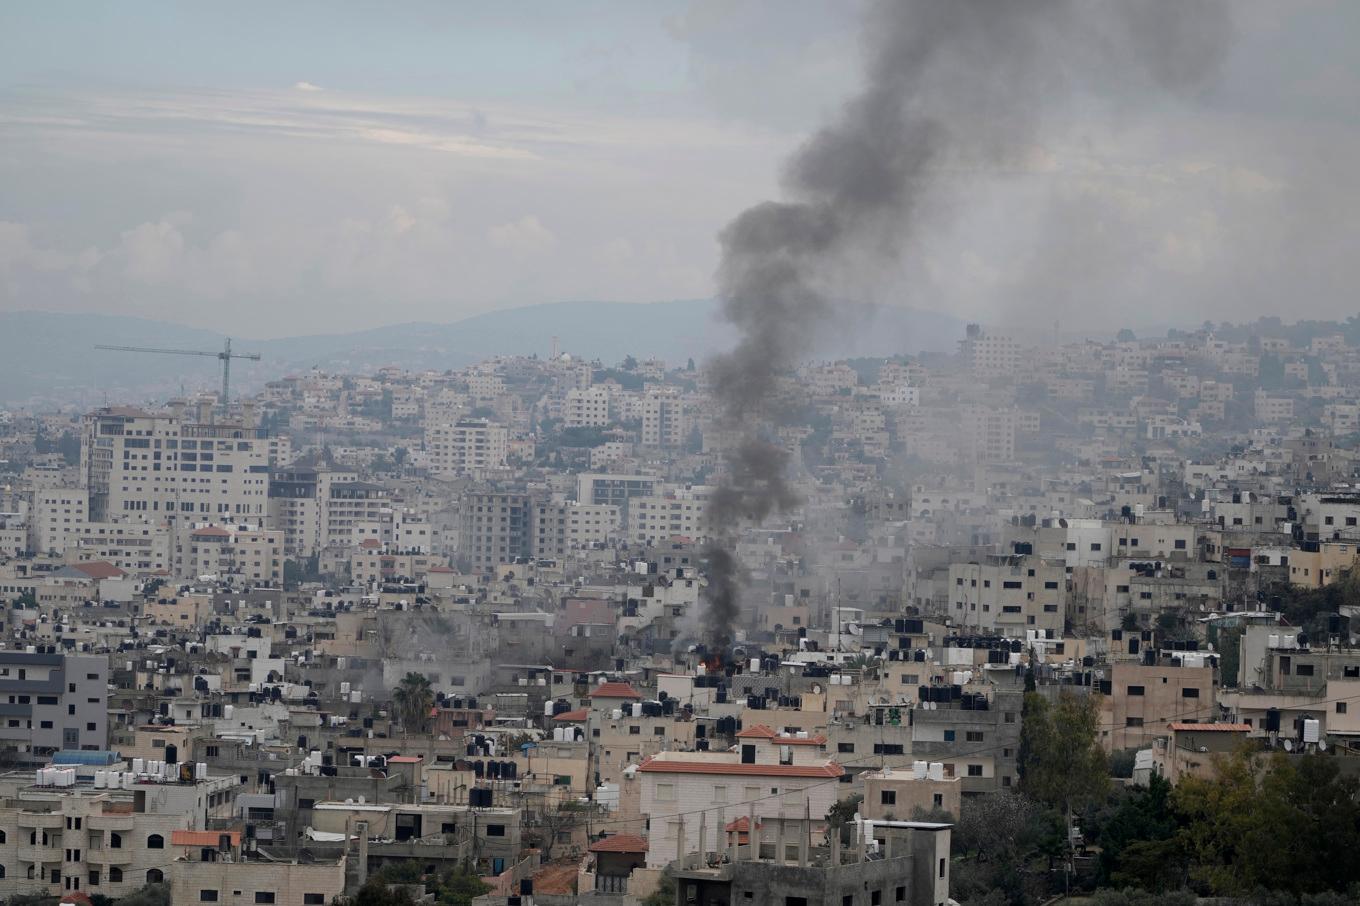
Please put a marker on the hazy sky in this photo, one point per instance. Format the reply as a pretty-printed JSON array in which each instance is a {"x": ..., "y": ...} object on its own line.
[{"x": 271, "y": 169}]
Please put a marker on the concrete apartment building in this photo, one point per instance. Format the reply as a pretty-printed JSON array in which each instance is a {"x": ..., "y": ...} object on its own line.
[
  {"x": 898, "y": 794},
  {"x": 615, "y": 490},
  {"x": 772, "y": 775},
  {"x": 52, "y": 702},
  {"x": 140, "y": 465},
  {"x": 1141, "y": 701},
  {"x": 586, "y": 408},
  {"x": 1009, "y": 595},
  {"x": 680, "y": 513},
  {"x": 466, "y": 446},
  {"x": 560, "y": 528},
  {"x": 250, "y": 554},
  {"x": 665, "y": 421},
  {"x": 496, "y": 528}
]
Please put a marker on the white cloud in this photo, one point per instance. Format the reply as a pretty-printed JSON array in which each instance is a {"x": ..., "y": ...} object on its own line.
[
  {"x": 307, "y": 86},
  {"x": 526, "y": 235}
]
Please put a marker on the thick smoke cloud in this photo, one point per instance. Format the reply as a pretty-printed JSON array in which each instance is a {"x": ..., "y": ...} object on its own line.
[{"x": 953, "y": 84}]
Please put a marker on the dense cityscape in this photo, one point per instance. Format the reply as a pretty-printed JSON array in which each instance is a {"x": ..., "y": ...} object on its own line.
[
  {"x": 684, "y": 453},
  {"x": 447, "y": 629}
]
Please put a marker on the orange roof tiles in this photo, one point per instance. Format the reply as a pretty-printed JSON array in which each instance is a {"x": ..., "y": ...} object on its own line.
[
  {"x": 202, "y": 838},
  {"x": 1211, "y": 728},
  {"x": 99, "y": 569},
  {"x": 620, "y": 843},
  {"x": 578, "y": 714},
  {"x": 760, "y": 731},
  {"x": 614, "y": 690}
]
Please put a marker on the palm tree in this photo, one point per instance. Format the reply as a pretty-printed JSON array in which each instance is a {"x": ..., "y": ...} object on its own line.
[{"x": 414, "y": 698}]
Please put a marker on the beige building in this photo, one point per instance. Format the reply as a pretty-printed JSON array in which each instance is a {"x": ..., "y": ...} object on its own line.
[
  {"x": 207, "y": 872},
  {"x": 1009, "y": 595},
  {"x": 1144, "y": 701},
  {"x": 140, "y": 465},
  {"x": 466, "y": 445},
  {"x": 899, "y": 794}
]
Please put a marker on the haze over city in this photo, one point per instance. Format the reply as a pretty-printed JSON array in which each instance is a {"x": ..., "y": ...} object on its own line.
[
  {"x": 687, "y": 453},
  {"x": 282, "y": 171}
]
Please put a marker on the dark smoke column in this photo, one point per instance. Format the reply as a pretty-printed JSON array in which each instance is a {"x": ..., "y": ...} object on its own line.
[{"x": 950, "y": 84}]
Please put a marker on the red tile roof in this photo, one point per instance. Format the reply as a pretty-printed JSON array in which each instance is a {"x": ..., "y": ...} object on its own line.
[
  {"x": 210, "y": 531},
  {"x": 742, "y": 825},
  {"x": 653, "y": 765},
  {"x": 405, "y": 759},
  {"x": 100, "y": 569},
  {"x": 614, "y": 690},
  {"x": 760, "y": 731},
  {"x": 370, "y": 543},
  {"x": 202, "y": 838},
  {"x": 1210, "y": 728},
  {"x": 578, "y": 714},
  {"x": 620, "y": 843}
]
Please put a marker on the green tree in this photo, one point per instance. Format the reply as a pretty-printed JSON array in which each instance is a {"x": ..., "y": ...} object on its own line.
[
  {"x": 414, "y": 698},
  {"x": 1063, "y": 763}
]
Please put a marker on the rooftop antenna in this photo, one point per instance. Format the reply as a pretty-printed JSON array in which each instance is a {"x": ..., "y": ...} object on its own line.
[{"x": 226, "y": 355}]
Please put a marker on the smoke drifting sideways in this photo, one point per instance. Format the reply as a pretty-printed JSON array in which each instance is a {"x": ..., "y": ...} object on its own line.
[{"x": 952, "y": 86}]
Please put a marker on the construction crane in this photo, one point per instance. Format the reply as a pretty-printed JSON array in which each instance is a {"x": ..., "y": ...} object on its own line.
[{"x": 226, "y": 355}]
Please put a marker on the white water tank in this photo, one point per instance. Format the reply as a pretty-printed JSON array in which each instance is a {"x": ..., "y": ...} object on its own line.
[
  {"x": 138, "y": 765},
  {"x": 40, "y": 777},
  {"x": 101, "y": 780},
  {"x": 228, "y": 711},
  {"x": 918, "y": 770},
  {"x": 637, "y": 709},
  {"x": 616, "y": 714},
  {"x": 201, "y": 771},
  {"x": 547, "y": 709},
  {"x": 1312, "y": 730},
  {"x": 935, "y": 771},
  {"x": 355, "y": 697},
  {"x": 129, "y": 779},
  {"x": 344, "y": 688}
]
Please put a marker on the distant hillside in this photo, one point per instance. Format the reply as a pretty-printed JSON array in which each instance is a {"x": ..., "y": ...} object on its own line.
[{"x": 51, "y": 357}]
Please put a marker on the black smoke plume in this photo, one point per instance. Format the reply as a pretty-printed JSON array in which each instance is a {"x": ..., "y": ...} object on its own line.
[{"x": 951, "y": 86}]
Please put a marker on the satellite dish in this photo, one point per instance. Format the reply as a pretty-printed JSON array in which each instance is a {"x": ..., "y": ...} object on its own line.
[
  {"x": 1322, "y": 745},
  {"x": 1289, "y": 745}
]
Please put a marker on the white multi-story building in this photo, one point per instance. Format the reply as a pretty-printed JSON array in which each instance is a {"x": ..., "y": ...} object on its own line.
[
  {"x": 562, "y": 527},
  {"x": 140, "y": 465},
  {"x": 588, "y": 408},
  {"x": 665, "y": 421},
  {"x": 681, "y": 513},
  {"x": 465, "y": 446}
]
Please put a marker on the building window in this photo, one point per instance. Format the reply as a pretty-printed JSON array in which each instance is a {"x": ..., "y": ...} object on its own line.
[
  {"x": 1189, "y": 693},
  {"x": 665, "y": 792},
  {"x": 901, "y": 894},
  {"x": 975, "y": 770},
  {"x": 1340, "y": 709},
  {"x": 1133, "y": 721},
  {"x": 115, "y": 875},
  {"x": 888, "y": 797},
  {"x": 155, "y": 841},
  {"x": 314, "y": 899},
  {"x": 495, "y": 830},
  {"x": 973, "y": 736},
  {"x": 1135, "y": 690},
  {"x": 115, "y": 841},
  {"x": 264, "y": 896},
  {"x": 207, "y": 896},
  {"x": 155, "y": 876},
  {"x": 948, "y": 735},
  {"x": 1303, "y": 670}
]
